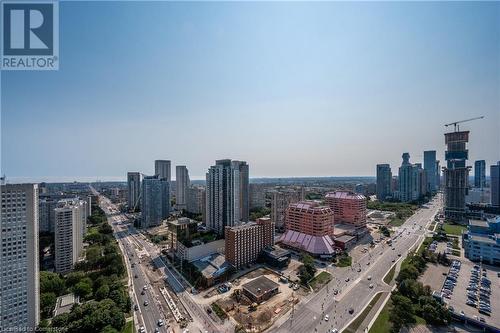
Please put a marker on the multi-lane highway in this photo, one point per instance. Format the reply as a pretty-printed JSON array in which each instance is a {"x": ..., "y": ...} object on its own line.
[
  {"x": 148, "y": 312},
  {"x": 356, "y": 286},
  {"x": 137, "y": 250}
]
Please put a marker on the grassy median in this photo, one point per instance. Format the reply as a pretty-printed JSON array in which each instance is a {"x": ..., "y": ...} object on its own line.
[{"x": 354, "y": 326}]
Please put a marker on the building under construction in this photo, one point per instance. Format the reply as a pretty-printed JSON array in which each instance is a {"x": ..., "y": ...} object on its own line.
[{"x": 456, "y": 175}]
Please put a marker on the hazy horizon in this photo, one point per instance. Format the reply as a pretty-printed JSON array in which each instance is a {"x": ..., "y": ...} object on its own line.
[{"x": 295, "y": 89}]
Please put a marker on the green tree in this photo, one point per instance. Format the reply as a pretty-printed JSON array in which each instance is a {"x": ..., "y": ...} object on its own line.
[
  {"x": 83, "y": 289},
  {"x": 402, "y": 312},
  {"x": 73, "y": 278},
  {"x": 105, "y": 228},
  {"x": 47, "y": 304},
  {"x": 121, "y": 299},
  {"x": 51, "y": 282},
  {"x": 60, "y": 321},
  {"x": 93, "y": 255},
  {"x": 102, "y": 292},
  {"x": 109, "y": 329},
  {"x": 93, "y": 238},
  {"x": 408, "y": 272},
  {"x": 307, "y": 270}
]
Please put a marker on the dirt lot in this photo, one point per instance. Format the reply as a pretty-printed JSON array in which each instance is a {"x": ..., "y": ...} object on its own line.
[
  {"x": 238, "y": 306},
  {"x": 433, "y": 276}
]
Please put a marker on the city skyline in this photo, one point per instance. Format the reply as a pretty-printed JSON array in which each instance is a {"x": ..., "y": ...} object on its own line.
[{"x": 309, "y": 79}]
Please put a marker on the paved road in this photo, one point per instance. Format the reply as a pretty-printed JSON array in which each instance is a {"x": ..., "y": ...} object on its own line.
[
  {"x": 148, "y": 316},
  {"x": 356, "y": 293},
  {"x": 201, "y": 320}
]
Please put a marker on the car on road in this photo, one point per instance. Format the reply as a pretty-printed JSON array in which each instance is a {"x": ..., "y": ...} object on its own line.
[
  {"x": 369, "y": 277},
  {"x": 146, "y": 303},
  {"x": 143, "y": 292},
  {"x": 359, "y": 270},
  {"x": 136, "y": 276},
  {"x": 351, "y": 311},
  {"x": 371, "y": 286},
  {"x": 136, "y": 307},
  {"x": 327, "y": 317},
  {"x": 142, "y": 329},
  {"x": 160, "y": 322},
  {"x": 347, "y": 280}
]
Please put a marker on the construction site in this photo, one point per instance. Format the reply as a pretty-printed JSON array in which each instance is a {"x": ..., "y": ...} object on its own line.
[{"x": 257, "y": 299}]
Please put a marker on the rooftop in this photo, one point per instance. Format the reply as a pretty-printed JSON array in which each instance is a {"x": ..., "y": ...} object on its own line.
[
  {"x": 312, "y": 244},
  {"x": 276, "y": 251},
  {"x": 182, "y": 220},
  {"x": 309, "y": 206},
  {"x": 485, "y": 238},
  {"x": 212, "y": 265},
  {"x": 260, "y": 286},
  {"x": 343, "y": 228},
  {"x": 345, "y": 195},
  {"x": 478, "y": 223},
  {"x": 64, "y": 304},
  {"x": 344, "y": 238}
]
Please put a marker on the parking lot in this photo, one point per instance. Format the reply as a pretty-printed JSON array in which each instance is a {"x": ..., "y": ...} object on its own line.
[{"x": 473, "y": 290}]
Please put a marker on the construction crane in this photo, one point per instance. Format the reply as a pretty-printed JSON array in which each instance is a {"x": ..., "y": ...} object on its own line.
[{"x": 456, "y": 126}]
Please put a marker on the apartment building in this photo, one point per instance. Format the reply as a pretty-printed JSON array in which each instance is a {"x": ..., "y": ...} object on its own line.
[{"x": 244, "y": 243}]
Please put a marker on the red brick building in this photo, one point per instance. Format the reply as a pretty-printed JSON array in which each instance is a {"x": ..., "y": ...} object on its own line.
[
  {"x": 243, "y": 243},
  {"x": 309, "y": 227},
  {"x": 348, "y": 207}
]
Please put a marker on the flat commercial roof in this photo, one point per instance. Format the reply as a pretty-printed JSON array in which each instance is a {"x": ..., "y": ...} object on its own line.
[
  {"x": 482, "y": 238},
  {"x": 64, "y": 304},
  {"x": 212, "y": 265},
  {"x": 260, "y": 286},
  {"x": 276, "y": 251},
  {"x": 345, "y": 195},
  {"x": 478, "y": 223},
  {"x": 344, "y": 238}
]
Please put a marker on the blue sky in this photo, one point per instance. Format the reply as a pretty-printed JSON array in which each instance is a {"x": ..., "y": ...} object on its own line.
[{"x": 295, "y": 89}]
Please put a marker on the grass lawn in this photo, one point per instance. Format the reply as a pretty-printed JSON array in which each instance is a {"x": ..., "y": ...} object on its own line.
[
  {"x": 320, "y": 280},
  {"x": 424, "y": 245},
  {"x": 454, "y": 244},
  {"x": 219, "y": 311},
  {"x": 454, "y": 229},
  {"x": 359, "y": 319},
  {"x": 396, "y": 222},
  {"x": 129, "y": 327},
  {"x": 390, "y": 275},
  {"x": 344, "y": 261},
  {"x": 382, "y": 323},
  {"x": 420, "y": 321}
]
